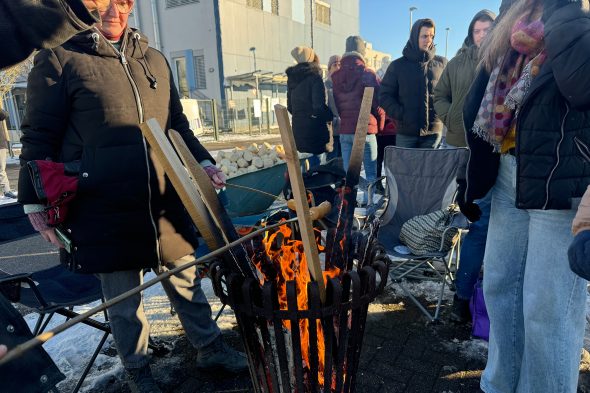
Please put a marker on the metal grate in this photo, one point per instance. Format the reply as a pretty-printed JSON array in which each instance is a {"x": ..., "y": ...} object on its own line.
[
  {"x": 200, "y": 75},
  {"x": 177, "y": 3},
  {"x": 322, "y": 12}
]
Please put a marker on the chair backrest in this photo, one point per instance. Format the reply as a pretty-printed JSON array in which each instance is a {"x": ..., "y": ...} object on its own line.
[{"x": 419, "y": 181}]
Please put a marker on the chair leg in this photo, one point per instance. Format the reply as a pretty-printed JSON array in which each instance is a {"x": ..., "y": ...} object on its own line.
[
  {"x": 219, "y": 313},
  {"x": 40, "y": 328},
  {"x": 91, "y": 362}
]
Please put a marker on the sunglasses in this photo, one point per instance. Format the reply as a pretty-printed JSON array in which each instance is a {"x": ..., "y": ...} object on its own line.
[{"x": 123, "y": 6}]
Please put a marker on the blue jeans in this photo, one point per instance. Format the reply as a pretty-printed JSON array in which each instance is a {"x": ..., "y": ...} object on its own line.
[
  {"x": 536, "y": 304},
  {"x": 473, "y": 250},
  {"x": 369, "y": 157},
  {"x": 418, "y": 142}
]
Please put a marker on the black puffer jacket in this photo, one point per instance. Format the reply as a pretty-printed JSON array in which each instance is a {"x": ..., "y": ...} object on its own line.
[
  {"x": 407, "y": 89},
  {"x": 306, "y": 101},
  {"x": 85, "y": 102},
  {"x": 553, "y": 127}
]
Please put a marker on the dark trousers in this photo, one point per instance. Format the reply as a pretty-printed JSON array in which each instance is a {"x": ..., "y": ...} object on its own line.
[{"x": 382, "y": 142}]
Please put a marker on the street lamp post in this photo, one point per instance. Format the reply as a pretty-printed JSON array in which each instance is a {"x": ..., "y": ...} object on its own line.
[
  {"x": 447, "y": 42},
  {"x": 412, "y": 9},
  {"x": 253, "y": 50}
]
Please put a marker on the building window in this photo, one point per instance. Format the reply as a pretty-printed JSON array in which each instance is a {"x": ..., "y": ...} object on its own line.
[
  {"x": 200, "y": 75},
  {"x": 298, "y": 11},
  {"x": 322, "y": 12},
  {"x": 176, "y": 3},
  {"x": 181, "y": 79},
  {"x": 271, "y": 6},
  {"x": 274, "y": 5}
]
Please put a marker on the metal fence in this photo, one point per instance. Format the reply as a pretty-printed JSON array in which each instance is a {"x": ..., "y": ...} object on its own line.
[{"x": 241, "y": 116}]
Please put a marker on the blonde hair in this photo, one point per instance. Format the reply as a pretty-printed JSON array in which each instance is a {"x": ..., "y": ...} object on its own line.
[{"x": 497, "y": 43}]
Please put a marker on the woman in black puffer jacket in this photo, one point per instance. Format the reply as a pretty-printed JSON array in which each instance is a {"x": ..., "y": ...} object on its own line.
[
  {"x": 528, "y": 142},
  {"x": 306, "y": 101}
]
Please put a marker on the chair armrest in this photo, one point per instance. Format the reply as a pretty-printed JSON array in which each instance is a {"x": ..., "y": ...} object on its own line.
[{"x": 19, "y": 277}]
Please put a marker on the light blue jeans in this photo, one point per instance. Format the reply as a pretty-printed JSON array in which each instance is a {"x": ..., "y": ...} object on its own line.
[
  {"x": 536, "y": 304},
  {"x": 369, "y": 157}
]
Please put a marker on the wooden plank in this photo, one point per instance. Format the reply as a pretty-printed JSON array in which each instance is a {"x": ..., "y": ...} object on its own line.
[
  {"x": 181, "y": 182},
  {"x": 209, "y": 196},
  {"x": 300, "y": 196}
]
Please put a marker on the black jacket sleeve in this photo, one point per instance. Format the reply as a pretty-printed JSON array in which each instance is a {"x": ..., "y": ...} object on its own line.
[
  {"x": 180, "y": 123},
  {"x": 567, "y": 41},
  {"x": 319, "y": 106},
  {"x": 483, "y": 164},
  {"x": 26, "y": 25},
  {"x": 389, "y": 93},
  {"x": 45, "y": 119}
]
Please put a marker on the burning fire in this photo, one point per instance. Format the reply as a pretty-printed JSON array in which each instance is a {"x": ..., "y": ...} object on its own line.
[{"x": 284, "y": 260}]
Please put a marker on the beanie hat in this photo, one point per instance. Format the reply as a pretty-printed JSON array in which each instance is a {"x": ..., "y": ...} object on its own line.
[
  {"x": 355, "y": 43},
  {"x": 303, "y": 54},
  {"x": 333, "y": 59}
]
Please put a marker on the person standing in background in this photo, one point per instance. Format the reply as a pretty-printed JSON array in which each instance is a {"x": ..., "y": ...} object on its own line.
[
  {"x": 4, "y": 146},
  {"x": 306, "y": 101},
  {"x": 349, "y": 86},
  {"x": 407, "y": 90}
]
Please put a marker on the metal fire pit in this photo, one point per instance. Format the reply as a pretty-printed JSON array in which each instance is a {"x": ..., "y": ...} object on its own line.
[{"x": 274, "y": 351}]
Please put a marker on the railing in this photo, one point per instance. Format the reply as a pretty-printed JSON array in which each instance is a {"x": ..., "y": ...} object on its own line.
[{"x": 242, "y": 116}]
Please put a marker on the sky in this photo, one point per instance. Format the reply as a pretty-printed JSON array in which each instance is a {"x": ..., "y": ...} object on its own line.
[{"x": 386, "y": 23}]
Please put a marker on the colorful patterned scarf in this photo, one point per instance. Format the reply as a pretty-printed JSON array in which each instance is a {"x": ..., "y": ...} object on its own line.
[{"x": 495, "y": 117}]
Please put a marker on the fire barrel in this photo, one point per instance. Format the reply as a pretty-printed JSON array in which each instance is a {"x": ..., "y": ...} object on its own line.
[{"x": 294, "y": 342}]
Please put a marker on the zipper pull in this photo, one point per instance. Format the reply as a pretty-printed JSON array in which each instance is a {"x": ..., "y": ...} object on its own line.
[{"x": 123, "y": 58}]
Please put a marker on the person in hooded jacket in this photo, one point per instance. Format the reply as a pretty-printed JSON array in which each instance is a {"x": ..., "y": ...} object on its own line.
[
  {"x": 407, "y": 89},
  {"x": 85, "y": 102},
  {"x": 349, "y": 84},
  {"x": 26, "y": 25},
  {"x": 449, "y": 97},
  {"x": 527, "y": 118},
  {"x": 306, "y": 101}
]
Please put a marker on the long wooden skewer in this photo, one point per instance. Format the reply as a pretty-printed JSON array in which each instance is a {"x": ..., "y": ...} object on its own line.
[{"x": 46, "y": 336}]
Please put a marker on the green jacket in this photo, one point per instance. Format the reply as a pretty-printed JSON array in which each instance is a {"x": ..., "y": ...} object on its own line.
[{"x": 451, "y": 90}]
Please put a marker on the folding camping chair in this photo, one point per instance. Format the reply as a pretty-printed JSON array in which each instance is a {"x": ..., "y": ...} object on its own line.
[
  {"x": 56, "y": 291},
  {"x": 420, "y": 181}
]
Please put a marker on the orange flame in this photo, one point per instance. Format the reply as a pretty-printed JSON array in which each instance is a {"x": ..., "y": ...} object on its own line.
[{"x": 291, "y": 264}]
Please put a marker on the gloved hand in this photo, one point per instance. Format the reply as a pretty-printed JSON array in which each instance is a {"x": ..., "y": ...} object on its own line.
[
  {"x": 216, "y": 175},
  {"x": 550, "y": 6},
  {"x": 470, "y": 210}
]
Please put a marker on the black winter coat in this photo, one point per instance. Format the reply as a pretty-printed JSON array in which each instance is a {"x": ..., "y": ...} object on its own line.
[
  {"x": 407, "y": 89},
  {"x": 306, "y": 101},
  {"x": 553, "y": 127},
  {"x": 26, "y": 25},
  {"x": 85, "y": 102}
]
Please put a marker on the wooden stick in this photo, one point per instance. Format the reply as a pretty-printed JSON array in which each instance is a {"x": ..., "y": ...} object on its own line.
[{"x": 300, "y": 196}]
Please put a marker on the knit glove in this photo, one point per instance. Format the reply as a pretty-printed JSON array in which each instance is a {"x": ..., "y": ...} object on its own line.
[
  {"x": 216, "y": 175},
  {"x": 38, "y": 221}
]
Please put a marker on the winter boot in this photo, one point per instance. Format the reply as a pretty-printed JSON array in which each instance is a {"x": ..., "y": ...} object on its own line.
[
  {"x": 141, "y": 380},
  {"x": 460, "y": 310},
  {"x": 219, "y": 355}
]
